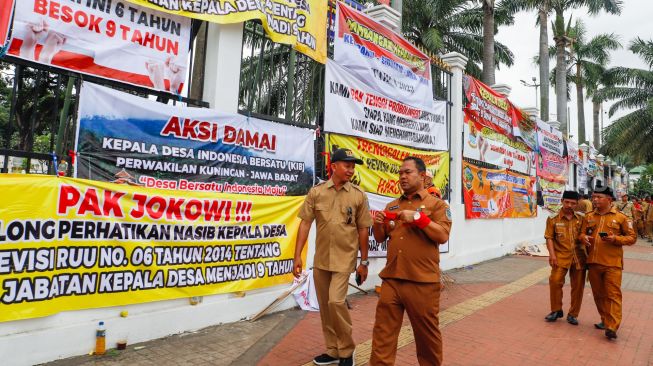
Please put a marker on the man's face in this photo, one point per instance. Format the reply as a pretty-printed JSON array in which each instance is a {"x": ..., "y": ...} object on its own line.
[
  {"x": 601, "y": 201},
  {"x": 344, "y": 170},
  {"x": 569, "y": 205},
  {"x": 410, "y": 179},
  {"x": 624, "y": 198}
]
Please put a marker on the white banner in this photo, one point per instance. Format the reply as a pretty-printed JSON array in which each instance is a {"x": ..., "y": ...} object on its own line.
[
  {"x": 109, "y": 39},
  {"x": 549, "y": 138},
  {"x": 574, "y": 153},
  {"x": 486, "y": 145},
  {"x": 352, "y": 108},
  {"x": 381, "y": 58}
]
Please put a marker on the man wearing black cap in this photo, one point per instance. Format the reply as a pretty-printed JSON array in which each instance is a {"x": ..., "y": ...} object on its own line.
[
  {"x": 565, "y": 254},
  {"x": 342, "y": 216},
  {"x": 605, "y": 231}
]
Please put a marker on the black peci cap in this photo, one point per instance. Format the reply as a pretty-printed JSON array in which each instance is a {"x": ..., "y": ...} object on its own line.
[
  {"x": 345, "y": 155},
  {"x": 604, "y": 190},
  {"x": 570, "y": 195}
]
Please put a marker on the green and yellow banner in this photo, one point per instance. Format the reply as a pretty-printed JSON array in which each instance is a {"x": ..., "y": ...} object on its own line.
[
  {"x": 302, "y": 23},
  {"x": 380, "y": 173},
  {"x": 71, "y": 244}
]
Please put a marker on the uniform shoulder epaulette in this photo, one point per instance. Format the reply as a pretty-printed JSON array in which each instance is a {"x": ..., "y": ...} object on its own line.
[
  {"x": 553, "y": 215},
  {"x": 580, "y": 214},
  {"x": 358, "y": 188},
  {"x": 320, "y": 183}
]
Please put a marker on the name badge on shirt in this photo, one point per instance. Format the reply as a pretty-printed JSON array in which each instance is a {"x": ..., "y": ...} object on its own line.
[{"x": 393, "y": 208}]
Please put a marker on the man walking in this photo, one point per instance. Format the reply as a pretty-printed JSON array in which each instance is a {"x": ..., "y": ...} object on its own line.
[
  {"x": 341, "y": 212},
  {"x": 626, "y": 206},
  {"x": 648, "y": 220},
  {"x": 562, "y": 232},
  {"x": 416, "y": 223},
  {"x": 605, "y": 231}
]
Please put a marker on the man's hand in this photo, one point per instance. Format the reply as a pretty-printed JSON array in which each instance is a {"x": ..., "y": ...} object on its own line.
[
  {"x": 588, "y": 240},
  {"x": 553, "y": 260},
  {"x": 297, "y": 267},
  {"x": 610, "y": 238},
  {"x": 361, "y": 271},
  {"x": 407, "y": 216},
  {"x": 379, "y": 218}
]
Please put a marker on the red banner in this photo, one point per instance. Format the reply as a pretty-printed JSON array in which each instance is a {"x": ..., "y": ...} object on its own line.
[
  {"x": 6, "y": 10},
  {"x": 490, "y": 108}
]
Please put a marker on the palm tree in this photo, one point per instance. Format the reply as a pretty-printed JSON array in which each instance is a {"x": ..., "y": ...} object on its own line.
[
  {"x": 587, "y": 63},
  {"x": 442, "y": 26},
  {"x": 562, "y": 40},
  {"x": 632, "y": 89}
]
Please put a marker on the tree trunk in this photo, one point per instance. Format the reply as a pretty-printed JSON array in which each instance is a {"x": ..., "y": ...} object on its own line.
[
  {"x": 580, "y": 101},
  {"x": 488, "y": 43},
  {"x": 544, "y": 61},
  {"x": 596, "y": 110},
  {"x": 561, "y": 74}
]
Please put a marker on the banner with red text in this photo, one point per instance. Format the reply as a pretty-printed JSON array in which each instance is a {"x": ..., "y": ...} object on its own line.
[
  {"x": 380, "y": 172},
  {"x": 489, "y": 108},
  {"x": 549, "y": 138},
  {"x": 127, "y": 139},
  {"x": 72, "y": 244},
  {"x": 6, "y": 12},
  {"x": 497, "y": 193},
  {"x": 354, "y": 108},
  {"x": 552, "y": 167},
  {"x": 110, "y": 39},
  {"x": 381, "y": 58},
  {"x": 552, "y": 194}
]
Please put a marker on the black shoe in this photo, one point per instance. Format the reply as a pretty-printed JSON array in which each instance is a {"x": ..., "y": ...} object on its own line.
[
  {"x": 611, "y": 334},
  {"x": 572, "y": 320},
  {"x": 553, "y": 316},
  {"x": 349, "y": 361},
  {"x": 325, "y": 359},
  {"x": 599, "y": 326}
]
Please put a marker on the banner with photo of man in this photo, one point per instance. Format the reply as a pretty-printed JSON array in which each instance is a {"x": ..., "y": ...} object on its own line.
[
  {"x": 126, "y": 139},
  {"x": 380, "y": 172},
  {"x": 354, "y": 108},
  {"x": 381, "y": 58},
  {"x": 109, "y": 39}
]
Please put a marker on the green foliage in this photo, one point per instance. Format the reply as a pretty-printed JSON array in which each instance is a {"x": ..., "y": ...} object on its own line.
[{"x": 644, "y": 185}]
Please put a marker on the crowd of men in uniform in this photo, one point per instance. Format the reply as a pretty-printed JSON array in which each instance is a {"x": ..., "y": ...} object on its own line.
[{"x": 640, "y": 210}]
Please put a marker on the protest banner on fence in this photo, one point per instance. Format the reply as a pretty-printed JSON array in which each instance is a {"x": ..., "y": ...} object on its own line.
[
  {"x": 380, "y": 172},
  {"x": 381, "y": 58},
  {"x": 71, "y": 244},
  {"x": 526, "y": 130},
  {"x": 484, "y": 144},
  {"x": 497, "y": 193},
  {"x": 128, "y": 139},
  {"x": 353, "y": 108},
  {"x": 552, "y": 194},
  {"x": 549, "y": 138},
  {"x": 489, "y": 108},
  {"x": 6, "y": 12},
  {"x": 376, "y": 249},
  {"x": 301, "y": 23},
  {"x": 552, "y": 167},
  {"x": 112, "y": 40},
  {"x": 574, "y": 154}
]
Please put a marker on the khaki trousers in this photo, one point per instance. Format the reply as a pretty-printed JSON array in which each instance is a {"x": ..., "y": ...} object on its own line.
[
  {"x": 649, "y": 229},
  {"x": 606, "y": 288},
  {"x": 422, "y": 304},
  {"x": 331, "y": 289},
  {"x": 577, "y": 282}
]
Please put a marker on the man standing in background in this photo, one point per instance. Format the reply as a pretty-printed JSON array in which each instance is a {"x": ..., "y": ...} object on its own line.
[
  {"x": 626, "y": 206},
  {"x": 584, "y": 205}
]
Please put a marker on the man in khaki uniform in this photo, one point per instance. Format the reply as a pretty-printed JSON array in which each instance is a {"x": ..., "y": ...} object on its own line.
[
  {"x": 562, "y": 231},
  {"x": 645, "y": 205},
  {"x": 342, "y": 216},
  {"x": 605, "y": 231},
  {"x": 648, "y": 220},
  {"x": 626, "y": 206},
  {"x": 416, "y": 223}
]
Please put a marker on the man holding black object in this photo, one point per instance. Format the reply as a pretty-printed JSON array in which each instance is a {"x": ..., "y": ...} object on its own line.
[
  {"x": 341, "y": 212},
  {"x": 565, "y": 254},
  {"x": 416, "y": 224},
  {"x": 605, "y": 231}
]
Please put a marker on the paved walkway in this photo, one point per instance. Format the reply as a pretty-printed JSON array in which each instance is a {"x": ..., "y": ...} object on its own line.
[{"x": 493, "y": 314}]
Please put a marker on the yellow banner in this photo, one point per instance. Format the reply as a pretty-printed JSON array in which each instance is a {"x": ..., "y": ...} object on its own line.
[
  {"x": 302, "y": 23},
  {"x": 380, "y": 173},
  {"x": 69, "y": 244}
]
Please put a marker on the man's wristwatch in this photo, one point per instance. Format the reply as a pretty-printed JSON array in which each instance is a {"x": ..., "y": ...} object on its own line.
[
  {"x": 416, "y": 215},
  {"x": 365, "y": 263}
]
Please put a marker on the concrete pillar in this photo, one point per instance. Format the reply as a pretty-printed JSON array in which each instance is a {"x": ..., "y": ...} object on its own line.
[
  {"x": 503, "y": 89},
  {"x": 458, "y": 63},
  {"x": 532, "y": 112},
  {"x": 222, "y": 74},
  {"x": 385, "y": 15},
  {"x": 554, "y": 124}
]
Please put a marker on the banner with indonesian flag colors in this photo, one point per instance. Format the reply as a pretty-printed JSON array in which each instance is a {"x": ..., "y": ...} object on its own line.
[
  {"x": 71, "y": 244},
  {"x": 552, "y": 194},
  {"x": 127, "y": 139},
  {"x": 109, "y": 39},
  {"x": 380, "y": 172},
  {"x": 301, "y": 23},
  {"x": 381, "y": 58},
  {"x": 489, "y": 108},
  {"x": 497, "y": 193}
]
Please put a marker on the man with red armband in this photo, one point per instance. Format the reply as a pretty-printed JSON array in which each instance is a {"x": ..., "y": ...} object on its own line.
[{"x": 416, "y": 223}]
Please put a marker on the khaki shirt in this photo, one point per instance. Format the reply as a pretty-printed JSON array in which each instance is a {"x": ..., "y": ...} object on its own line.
[
  {"x": 648, "y": 215},
  {"x": 412, "y": 255},
  {"x": 626, "y": 208},
  {"x": 564, "y": 233},
  {"x": 584, "y": 206},
  {"x": 613, "y": 222},
  {"x": 338, "y": 215}
]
